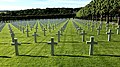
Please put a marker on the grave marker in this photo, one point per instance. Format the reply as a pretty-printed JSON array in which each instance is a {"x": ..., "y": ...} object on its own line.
[
  {"x": 36, "y": 28},
  {"x": 79, "y": 30},
  {"x": 92, "y": 27},
  {"x": 107, "y": 26},
  {"x": 44, "y": 32},
  {"x": 58, "y": 35},
  {"x": 27, "y": 32},
  {"x": 31, "y": 28},
  {"x": 46, "y": 26},
  {"x": 49, "y": 28},
  {"x": 91, "y": 42},
  {"x": 35, "y": 37},
  {"x": 61, "y": 30},
  {"x": 109, "y": 35},
  {"x": 12, "y": 36},
  {"x": 88, "y": 26},
  {"x": 53, "y": 27},
  {"x": 118, "y": 29},
  {"x": 101, "y": 25},
  {"x": 20, "y": 28},
  {"x": 83, "y": 35},
  {"x": 52, "y": 45},
  {"x": 16, "y": 46},
  {"x": 23, "y": 30},
  {"x": 98, "y": 29}
]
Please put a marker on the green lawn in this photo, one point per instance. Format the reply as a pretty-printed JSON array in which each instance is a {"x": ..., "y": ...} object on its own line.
[{"x": 70, "y": 52}]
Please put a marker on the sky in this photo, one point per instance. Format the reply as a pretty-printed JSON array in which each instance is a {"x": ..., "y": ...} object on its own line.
[{"x": 32, "y": 4}]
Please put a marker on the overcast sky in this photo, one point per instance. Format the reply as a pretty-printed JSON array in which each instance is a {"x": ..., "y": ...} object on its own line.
[{"x": 29, "y": 4}]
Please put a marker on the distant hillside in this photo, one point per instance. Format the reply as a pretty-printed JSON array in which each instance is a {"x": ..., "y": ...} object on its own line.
[
  {"x": 39, "y": 13},
  {"x": 99, "y": 9}
]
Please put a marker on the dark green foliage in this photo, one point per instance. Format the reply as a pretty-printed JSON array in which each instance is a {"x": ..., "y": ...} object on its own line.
[{"x": 100, "y": 7}]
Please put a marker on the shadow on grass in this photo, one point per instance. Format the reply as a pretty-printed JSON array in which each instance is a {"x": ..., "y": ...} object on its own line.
[
  {"x": 73, "y": 56},
  {"x": 115, "y": 41},
  {"x": 107, "y": 55},
  {"x": 4, "y": 43},
  {"x": 26, "y": 43},
  {"x": 70, "y": 42},
  {"x": 4, "y": 57},
  {"x": 103, "y": 41},
  {"x": 41, "y": 42},
  {"x": 34, "y": 56},
  {"x": 108, "y": 41}
]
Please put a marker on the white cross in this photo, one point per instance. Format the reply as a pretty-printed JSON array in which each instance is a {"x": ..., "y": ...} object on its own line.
[
  {"x": 58, "y": 35},
  {"x": 118, "y": 29},
  {"x": 109, "y": 35},
  {"x": 52, "y": 45},
  {"x": 12, "y": 35},
  {"x": 98, "y": 29},
  {"x": 44, "y": 32},
  {"x": 36, "y": 28},
  {"x": 91, "y": 42},
  {"x": 27, "y": 32},
  {"x": 23, "y": 30},
  {"x": 16, "y": 46},
  {"x": 35, "y": 37},
  {"x": 83, "y": 35}
]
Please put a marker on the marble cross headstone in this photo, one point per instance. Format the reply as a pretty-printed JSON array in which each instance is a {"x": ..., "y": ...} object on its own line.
[
  {"x": 44, "y": 32},
  {"x": 52, "y": 45},
  {"x": 23, "y": 30},
  {"x": 109, "y": 35},
  {"x": 46, "y": 26},
  {"x": 11, "y": 31},
  {"x": 31, "y": 28},
  {"x": 27, "y": 26},
  {"x": 92, "y": 27},
  {"x": 98, "y": 29},
  {"x": 12, "y": 35},
  {"x": 20, "y": 28},
  {"x": 113, "y": 25},
  {"x": 49, "y": 28},
  {"x": 91, "y": 42},
  {"x": 88, "y": 26},
  {"x": 101, "y": 25},
  {"x": 118, "y": 29},
  {"x": 36, "y": 28},
  {"x": 35, "y": 37},
  {"x": 53, "y": 27},
  {"x": 58, "y": 35},
  {"x": 79, "y": 30},
  {"x": 61, "y": 30},
  {"x": 96, "y": 23},
  {"x": 27, "y": 32},
  {"x": 107, "y": 26},
  {"x": 83, "y": 35},
  {"x": 16, "y": 46}
]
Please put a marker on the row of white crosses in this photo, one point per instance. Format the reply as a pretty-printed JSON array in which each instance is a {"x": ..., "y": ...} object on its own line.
[
  {"x": 11, "y": 32},
  {"x": 61, "y": 31},
  {"x": 77, "y": 27},
  {"x": 91, "y": 42},
  {"x": 1, "y": 26},
  {"x": 52, "y": 42}
]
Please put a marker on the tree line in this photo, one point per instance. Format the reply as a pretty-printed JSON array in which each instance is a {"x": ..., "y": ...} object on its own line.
[
  {"x": 39, "y": 13},
  {"x": 100, "y": 10}
]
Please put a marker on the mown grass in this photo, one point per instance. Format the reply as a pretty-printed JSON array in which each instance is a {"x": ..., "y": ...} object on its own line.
[{"x": 70, "y": 52}]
